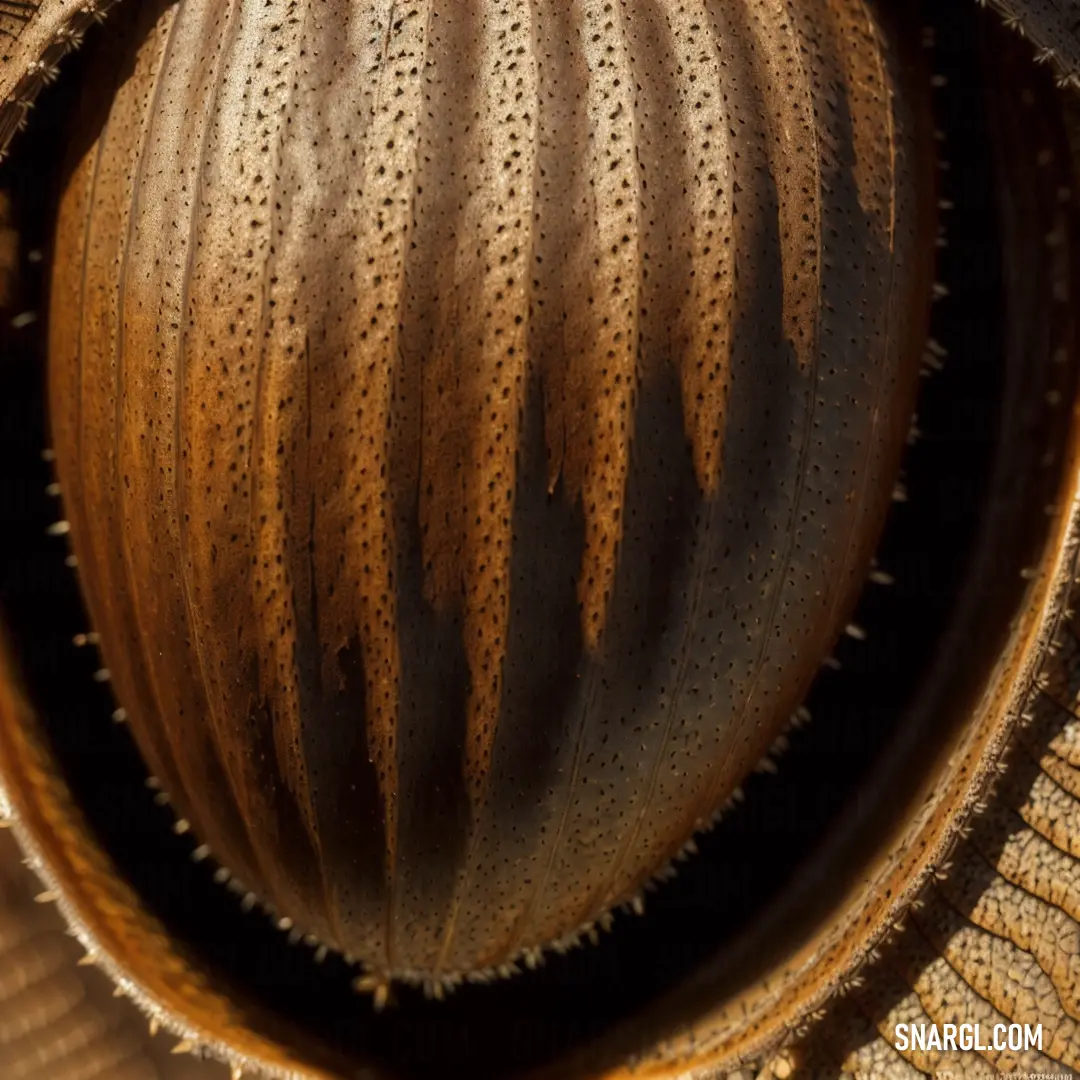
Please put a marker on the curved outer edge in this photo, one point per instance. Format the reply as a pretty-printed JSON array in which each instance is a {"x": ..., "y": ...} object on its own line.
[
  {"x": 104, "y": 908},
  {"x": 780, "y": 1007},
  {"x": 584, "y": 935},
  {"x": 771, "y": 1019},
  {"x": 60, "y": 1017},
  {"x": 30, "y": 64},
  {"x": 997, "y": 741},
  {"x": 46, "y": 39}
]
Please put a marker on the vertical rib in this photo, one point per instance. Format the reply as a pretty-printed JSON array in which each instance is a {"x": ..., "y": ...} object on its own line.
[
  {"x": 218, "y": 362},
  {"x": 349, "y": 242},
  {"x": 798, "y": 84},
  {"x": 492, "y": 276},
  {"x": 591, "y": 414}
]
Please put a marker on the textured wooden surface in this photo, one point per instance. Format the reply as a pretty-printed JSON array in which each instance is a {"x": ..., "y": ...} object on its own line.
[
  {"x": 996, "y": 935},
  {"x": 15, "y": 16},
  {"x": 475, "y": 432}
]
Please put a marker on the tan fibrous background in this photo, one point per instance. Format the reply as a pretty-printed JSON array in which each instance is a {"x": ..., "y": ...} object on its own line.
[{"x": 60, "y": 1020}]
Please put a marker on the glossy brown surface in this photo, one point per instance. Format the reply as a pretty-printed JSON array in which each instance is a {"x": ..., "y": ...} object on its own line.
[
  {"x": 961, "y": 903},
  {"x": 475, "y": 424}
]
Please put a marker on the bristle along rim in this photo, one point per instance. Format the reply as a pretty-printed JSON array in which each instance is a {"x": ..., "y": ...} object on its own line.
[{"x": 110, "y": 921}]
